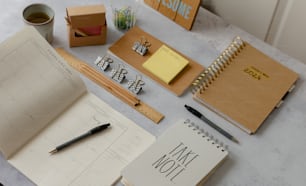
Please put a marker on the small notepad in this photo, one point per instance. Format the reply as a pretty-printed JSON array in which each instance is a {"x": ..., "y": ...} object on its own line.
[
  {"x": 166, "y": 64},
  {"x": 183, "y": 155}
]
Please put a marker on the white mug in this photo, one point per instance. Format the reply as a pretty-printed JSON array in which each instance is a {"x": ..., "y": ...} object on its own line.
[{"x": 41, "y": 16}]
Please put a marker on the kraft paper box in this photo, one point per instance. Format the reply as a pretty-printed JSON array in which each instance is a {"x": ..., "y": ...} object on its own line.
[{"x": 86, "y": 25}]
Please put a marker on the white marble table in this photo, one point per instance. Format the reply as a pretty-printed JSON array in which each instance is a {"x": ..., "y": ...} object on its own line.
[{"x": 274, "y": 156}]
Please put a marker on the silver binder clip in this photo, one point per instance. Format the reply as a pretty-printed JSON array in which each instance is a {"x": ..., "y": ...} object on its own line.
[
  {"x": 136, "y": 85},
  {"x": 119, "y": 74},
  {"x": 136, "y": 45},
  {"x": 103, "y": 62},
  {"x": 142, "y": 46}
]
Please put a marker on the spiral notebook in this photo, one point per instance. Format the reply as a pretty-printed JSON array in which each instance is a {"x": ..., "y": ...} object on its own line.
[
  {"x": 182, "y": 155},
  {"x": 244, "y": 85}
]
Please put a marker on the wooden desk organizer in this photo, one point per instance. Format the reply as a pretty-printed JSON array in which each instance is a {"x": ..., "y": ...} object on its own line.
[{"x": 123, "y": 50}]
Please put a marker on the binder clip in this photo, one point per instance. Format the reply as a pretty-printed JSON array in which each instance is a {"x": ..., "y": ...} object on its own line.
[
  {"x": 136, "y": 85},
  {"x": 103, "y": 62},
  {"x": 119, "y": 74},
  {"x": 142, "y": 46}
]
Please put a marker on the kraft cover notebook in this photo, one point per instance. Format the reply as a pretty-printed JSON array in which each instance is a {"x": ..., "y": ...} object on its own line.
[
  {"x": 183, "y": 155},
  {"x": 122, "y": 49},
  {"x": 244, "y": 85},
  {"x": 44, "y": 103}
]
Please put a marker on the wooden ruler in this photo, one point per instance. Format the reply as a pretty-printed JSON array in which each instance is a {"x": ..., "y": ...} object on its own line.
[{"x": 112, "y": 87}]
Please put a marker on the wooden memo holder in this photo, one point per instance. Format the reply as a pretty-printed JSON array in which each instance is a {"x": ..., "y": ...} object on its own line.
[
  {"x": 123, "y": 50},
  {"x": 111, "y": 87}
]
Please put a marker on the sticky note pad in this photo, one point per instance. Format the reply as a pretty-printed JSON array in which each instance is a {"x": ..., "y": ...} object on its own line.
[{"x": 165, "y": 63}]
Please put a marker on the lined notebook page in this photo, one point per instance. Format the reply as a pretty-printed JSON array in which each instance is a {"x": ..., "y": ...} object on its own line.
[
  {"x": 36, "y": 85},
  {"x": 95, "y": 161}
]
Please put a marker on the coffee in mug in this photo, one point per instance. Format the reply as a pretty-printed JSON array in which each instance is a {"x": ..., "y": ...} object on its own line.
[{"x": 41, "y": 16}]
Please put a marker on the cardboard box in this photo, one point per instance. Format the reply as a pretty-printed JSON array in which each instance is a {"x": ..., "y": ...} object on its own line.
[{"x": 86, "y": 25}]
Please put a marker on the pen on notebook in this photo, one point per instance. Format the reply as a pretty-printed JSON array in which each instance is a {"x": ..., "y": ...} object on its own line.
[
  {"x": 210, "y": 123},
  {"x": 83, "y": 136}
]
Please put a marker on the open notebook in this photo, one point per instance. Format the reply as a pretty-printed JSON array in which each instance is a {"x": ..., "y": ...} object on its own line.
[
  {"x": 183, "y": 155},
  {"x": 244, "y": 85},
  {"x": 43, "y": 104}
]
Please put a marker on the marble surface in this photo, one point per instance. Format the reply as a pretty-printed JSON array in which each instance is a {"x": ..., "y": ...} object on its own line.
[{"x": 275, "y": 156}]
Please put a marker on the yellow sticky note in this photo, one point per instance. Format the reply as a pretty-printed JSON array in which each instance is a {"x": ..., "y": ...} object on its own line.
[{"x": 165, "y": 63}]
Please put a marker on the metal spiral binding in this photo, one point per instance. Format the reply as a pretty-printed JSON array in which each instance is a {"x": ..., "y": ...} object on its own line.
[
  {"x": 220, "y": 64},
  {"x": 205, "y": 135}
]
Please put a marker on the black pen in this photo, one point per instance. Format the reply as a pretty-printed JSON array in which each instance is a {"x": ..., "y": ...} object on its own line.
[
  {"x": 203, "y": 118},
  {"x": 85, "y": 135}
]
